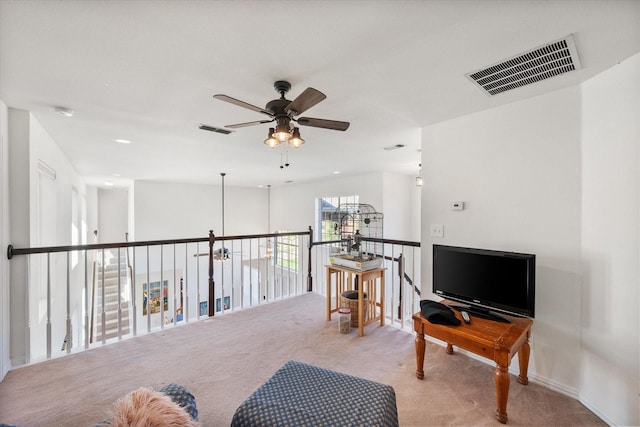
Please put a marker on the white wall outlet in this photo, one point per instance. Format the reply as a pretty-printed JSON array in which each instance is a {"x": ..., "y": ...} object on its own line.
[
  {"x": 437, "y": 230},
  {"x": 457, "y": 206}
]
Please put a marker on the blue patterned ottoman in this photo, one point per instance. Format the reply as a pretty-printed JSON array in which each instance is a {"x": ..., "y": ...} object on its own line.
[{"x": 304, "y": 395}]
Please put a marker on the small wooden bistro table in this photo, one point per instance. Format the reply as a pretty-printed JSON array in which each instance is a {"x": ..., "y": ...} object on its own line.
[{"x": 370, "y": 282}]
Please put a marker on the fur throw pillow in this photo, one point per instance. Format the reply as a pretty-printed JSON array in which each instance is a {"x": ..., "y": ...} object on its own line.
[{"x": 148, "y": 408}]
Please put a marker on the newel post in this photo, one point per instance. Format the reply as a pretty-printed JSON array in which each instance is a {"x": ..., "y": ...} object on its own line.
[
  {"x": 309, "y": 278},
  {"x": 401, "y": 278},
  {"x": 212, "y": 284}
]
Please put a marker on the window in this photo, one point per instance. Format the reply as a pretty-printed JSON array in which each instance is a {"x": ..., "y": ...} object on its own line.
[
  {"x": 327, "y": 228},
  {"x": 287, "y": 250}
]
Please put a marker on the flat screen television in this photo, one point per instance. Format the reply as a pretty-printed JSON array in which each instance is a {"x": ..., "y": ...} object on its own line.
[{"x": 486, "y": 280}]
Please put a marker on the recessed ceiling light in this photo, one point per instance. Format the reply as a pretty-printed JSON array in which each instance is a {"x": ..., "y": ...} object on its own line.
[
  {"x": 64, "y": 112},
  {"x": 108, "y": 183},
  {"x": 116, "y": 174},
  {"x": 123, "y": 141},
  {"x": 336, "y": 172}
]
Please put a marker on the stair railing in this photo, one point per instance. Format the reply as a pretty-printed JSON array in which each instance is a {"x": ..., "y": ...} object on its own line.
[
  {"x": 239, "y": 285},
  {"x": 93, "y": 289},
  {"x": 132, "y": 288}
]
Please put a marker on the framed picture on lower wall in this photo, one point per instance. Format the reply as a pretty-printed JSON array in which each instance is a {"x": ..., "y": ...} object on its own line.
[
  {"x": 227, "y": 303},
  {"x": 153, "y": 297},
  {"x": 204, "y": 308}
]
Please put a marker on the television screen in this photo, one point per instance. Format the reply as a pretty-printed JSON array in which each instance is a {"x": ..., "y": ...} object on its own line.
[{"x": 486, "y": 279}]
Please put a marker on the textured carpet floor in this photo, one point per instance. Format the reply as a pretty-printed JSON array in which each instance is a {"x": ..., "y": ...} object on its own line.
[{"x": 224, "y": 359}]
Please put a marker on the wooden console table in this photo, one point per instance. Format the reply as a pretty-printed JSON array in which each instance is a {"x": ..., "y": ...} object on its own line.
[
  {"x": 370, "y": 282},
  {"x": 487, "y": 338}
]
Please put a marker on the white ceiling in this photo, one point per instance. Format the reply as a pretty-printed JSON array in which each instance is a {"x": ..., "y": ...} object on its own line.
[{"x": 146, "y": 71}]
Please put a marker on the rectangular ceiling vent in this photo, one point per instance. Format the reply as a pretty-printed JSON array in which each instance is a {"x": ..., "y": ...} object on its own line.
[
  {"x": 214, "y": 129},
  {"x": 538, "y": 64}
]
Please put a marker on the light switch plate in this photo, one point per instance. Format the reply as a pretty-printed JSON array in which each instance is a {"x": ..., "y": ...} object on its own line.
[{"x": 437, "y": 230}]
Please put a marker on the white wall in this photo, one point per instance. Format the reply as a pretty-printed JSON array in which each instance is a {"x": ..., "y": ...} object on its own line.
[
  {"x": 5, "y": 239},
  {"x": 29, "y": 143},
  {"x": 610, "y": 252},
  {"x": 19, "y": 217},
  {"x": 113, "y": 214},
  {"x": 517, "y": 169},
  {"x": 558, "y": 176},
  {"x": 165, "y": 210},
  {"x": 399, "y": 207}
]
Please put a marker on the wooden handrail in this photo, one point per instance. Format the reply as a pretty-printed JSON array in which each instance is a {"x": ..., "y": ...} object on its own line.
[
  {"x": 211, "y": 239},
  {"x": 12, "y": 251},
  {"x": 257, "y": 290}
]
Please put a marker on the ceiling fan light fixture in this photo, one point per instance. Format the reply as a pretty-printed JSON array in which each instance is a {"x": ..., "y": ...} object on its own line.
[
  {"x": 296, "y": 140},
  {"x": 284, "y": 113},
  {"x": 271, "y": 142},
  {"x": 282, "y": 132}
]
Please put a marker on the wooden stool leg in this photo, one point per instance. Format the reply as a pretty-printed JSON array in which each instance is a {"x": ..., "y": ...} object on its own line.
[
  {"x": 361, "y": 309},
  {"x": 328, "y": 294},
  {"x": 382, "y": 313}
]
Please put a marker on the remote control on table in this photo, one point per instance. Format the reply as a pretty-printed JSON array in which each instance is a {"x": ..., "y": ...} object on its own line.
[{"x": 465, "y": 316}]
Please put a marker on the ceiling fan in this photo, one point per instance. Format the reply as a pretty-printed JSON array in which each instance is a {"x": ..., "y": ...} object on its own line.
[{"x": 284, "y": 112}]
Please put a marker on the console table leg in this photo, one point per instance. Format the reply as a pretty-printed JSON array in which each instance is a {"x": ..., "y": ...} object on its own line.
[
  {"x": 523, "y": 361},
  {"x": 449, "y": 349},
  {"x": 501, "y": 377},
  {"x": 420, "y": 346}
]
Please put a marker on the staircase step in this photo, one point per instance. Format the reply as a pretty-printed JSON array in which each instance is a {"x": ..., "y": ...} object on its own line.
[
  {"x": 111, "y": 300},
  {"x": 112, "y": 323},
  {"x": 110, "y": 333},
  {"x": 113, "y": 308},
  {"x": 113, "y": 272},
  {"x": 110, "y": 274}
]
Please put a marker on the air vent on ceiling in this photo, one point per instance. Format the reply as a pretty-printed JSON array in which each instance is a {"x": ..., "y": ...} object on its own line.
[
  {"x": 214, "y": 129},
  {"x": 538, "y": 64}
]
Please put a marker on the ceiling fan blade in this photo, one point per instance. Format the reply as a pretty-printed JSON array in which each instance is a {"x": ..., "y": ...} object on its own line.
[
  {"x": 305, "y": 100},
  {"x": 241, "y": 104},
  {"x": 323, "y": 123},
  {"x": 242, "y": 125}
]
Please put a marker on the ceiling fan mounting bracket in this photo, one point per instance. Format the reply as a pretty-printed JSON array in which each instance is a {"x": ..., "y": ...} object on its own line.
[{"x": 282, "y": 87}]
